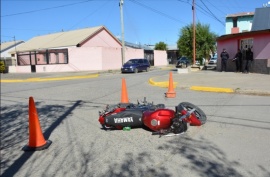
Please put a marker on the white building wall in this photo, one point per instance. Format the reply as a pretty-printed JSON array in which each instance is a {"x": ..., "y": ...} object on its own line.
[
  {"x": 133, "y": 53},
  {"x": 111, "y": 58},
  {"x": 160, "y": 58}
]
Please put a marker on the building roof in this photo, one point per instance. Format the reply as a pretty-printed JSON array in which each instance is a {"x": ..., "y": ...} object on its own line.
[
  {"x": 261, "y": 20},
  {"x": 8, "y": 45},
  {"x": 172, "y": 47},
  {"x": 240, "y": 14},
  {"x": 243, "y": 34},
  {"x": 137, "y": 46},
  {"x": 61, "y": 39}
]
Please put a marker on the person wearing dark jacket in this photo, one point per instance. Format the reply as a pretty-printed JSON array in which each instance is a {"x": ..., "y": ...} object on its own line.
[
  {"x": 224, "y": 57},
  {"x": 238, "y": 61},
  {"x": 249, "y": 59}
]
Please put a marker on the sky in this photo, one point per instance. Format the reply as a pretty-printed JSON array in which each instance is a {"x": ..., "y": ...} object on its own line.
[{"x": 145, "y": 21}]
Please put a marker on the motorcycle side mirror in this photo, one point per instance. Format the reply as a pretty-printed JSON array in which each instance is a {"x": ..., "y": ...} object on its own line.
[{"x": 144, "y": 100}]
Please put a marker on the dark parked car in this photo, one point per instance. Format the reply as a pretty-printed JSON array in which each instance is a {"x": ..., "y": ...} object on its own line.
[
  {"x": 135, "y": 65},
  {"x": 182, "y": 62}
]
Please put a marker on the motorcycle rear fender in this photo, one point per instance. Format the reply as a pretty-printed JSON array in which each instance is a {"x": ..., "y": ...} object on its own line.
[{"x": 102, "y": 117}]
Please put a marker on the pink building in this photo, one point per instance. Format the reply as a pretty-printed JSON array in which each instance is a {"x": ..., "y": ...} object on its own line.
[
  {"x": 89, "y": 49},
  {"x": 258, "y": 39}
]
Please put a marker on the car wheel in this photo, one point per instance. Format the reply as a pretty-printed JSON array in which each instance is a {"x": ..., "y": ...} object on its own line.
[
  {"x": 136, "y": 70},
  {"x": 147, "y": 69}
]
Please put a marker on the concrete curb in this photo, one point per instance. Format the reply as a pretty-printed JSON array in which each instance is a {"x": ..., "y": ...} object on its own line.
[
  {"x": 50, "y": 79},
  {"x": 161, "y": 84},
  {"x": 196, "y": 88},
  {"x": 212, "y": 89},
  {"x": 253, "y": 92}
]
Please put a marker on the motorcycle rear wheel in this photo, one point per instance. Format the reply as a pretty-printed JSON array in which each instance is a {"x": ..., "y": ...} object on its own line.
[{"x": 198, "y": 112}]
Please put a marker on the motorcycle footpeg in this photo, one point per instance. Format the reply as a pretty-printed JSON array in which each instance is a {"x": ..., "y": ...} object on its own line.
[{"x": 156, "y": 133}]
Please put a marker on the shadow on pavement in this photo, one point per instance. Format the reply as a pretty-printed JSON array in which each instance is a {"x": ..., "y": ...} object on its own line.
[{"x": 14, "y": 130}]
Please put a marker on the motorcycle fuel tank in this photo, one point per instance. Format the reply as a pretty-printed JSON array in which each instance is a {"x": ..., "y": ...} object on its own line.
[{"x": 158, "y": 119}]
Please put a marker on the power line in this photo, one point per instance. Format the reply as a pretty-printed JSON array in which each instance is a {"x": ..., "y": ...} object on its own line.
[
  {"x": 6, "y": 36},
  {"x": 23, "y": 29},
  {"x": 45, "y": 9},
  {"x": 156, "y": 11},
  {"x": 75, "y": 24},
  {"x": 202, "y": 10},
  {"x": 213, "y": 15},
  {"x": 217, "y": 8}
]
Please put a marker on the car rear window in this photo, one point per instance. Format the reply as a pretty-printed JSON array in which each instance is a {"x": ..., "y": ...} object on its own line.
[{"x": 133, "y": 61}]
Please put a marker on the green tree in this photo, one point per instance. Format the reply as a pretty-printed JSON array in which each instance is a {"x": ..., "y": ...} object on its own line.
[
  {"x": 161, "y": 46},
  {"x": 2, "y": 67},
  {"x": 205, "y": 41}
]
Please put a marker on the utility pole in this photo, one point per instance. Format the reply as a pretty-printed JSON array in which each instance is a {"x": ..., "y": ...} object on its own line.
[
  {"x": 194, "y": 33},
  {"x": 122, "y": 26},
  {"x": 16, "y": 61}
]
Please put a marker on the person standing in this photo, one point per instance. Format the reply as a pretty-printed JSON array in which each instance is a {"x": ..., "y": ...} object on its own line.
[
  {"x": 249, "y": 59},
  {"x": 238, "y": 61},
  {"x": 224, "y": 57}
]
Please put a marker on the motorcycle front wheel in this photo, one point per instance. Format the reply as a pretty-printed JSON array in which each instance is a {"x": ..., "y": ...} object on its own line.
[{"x": 198, "y": 112}]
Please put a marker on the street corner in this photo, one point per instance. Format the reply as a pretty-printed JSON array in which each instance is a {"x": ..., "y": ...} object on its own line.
[
  {"x": 160, "y": 83},
  {"x": 252, "y": 92},
  {"x": 50, "y": 79},
  {"x": 212, "y": 89},
  {"x": 169, "y": 67}
]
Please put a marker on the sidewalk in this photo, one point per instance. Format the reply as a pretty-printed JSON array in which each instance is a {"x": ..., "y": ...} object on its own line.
[
  {"x": 19, "y": 77},
  {"x": 202, "y": 80},
  {"x": 214, "y": 81}
]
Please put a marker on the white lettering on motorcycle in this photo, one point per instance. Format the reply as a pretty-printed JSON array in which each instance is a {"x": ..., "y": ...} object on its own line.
[{"x": 122, "y": 120}]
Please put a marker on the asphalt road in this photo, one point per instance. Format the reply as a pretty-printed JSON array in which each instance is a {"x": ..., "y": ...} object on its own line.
[{"x": 233, "y": 142}]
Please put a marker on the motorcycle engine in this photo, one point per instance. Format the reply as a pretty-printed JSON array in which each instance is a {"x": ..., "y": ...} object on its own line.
[{"x": 178, "y": 126}]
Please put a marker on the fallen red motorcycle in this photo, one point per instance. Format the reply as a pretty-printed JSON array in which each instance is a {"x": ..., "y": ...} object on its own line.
[{"x": 157, "y": 118}]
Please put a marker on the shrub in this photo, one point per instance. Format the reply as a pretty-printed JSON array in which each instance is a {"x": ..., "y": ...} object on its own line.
[{"x": 2, "y": 67}]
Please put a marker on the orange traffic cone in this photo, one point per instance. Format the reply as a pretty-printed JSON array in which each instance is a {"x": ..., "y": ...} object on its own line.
[
  {"x": 36, "y": 138},
  {"x": 124, "y": 95},
  {"x": 171, "y": 93}
]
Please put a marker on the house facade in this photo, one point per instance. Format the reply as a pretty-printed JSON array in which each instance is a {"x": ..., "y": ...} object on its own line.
[
  {"x": 240, "y": 22},
  {"x": 89, "y": 49},
  {"x": 7, "y": 57},
  {"x": 258, "y": 39}
]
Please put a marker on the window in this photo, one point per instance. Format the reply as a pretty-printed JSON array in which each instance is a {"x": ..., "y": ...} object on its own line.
[
  {"x": 56, "y": 57},
  {"x": 235, "y": 22},
  {"x": 43, "y": 57},
  {"x": 49, "y": 58},
  {"x": 246, "y": 43},
  {"x": 146, "y": 62},
  {"x": 65, "y": 57}
]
